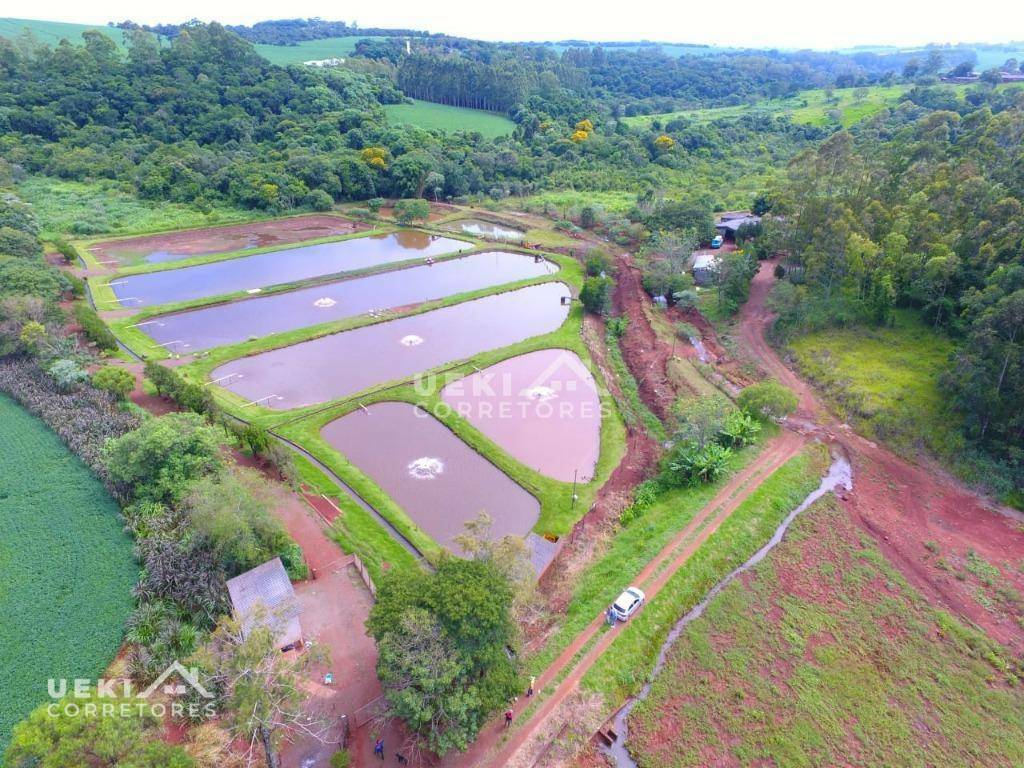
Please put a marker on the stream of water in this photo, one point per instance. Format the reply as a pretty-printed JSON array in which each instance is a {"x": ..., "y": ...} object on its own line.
[{"x": 839, "y": 474}]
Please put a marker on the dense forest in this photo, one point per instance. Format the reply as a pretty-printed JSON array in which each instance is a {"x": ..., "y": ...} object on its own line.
[{"x": 920, "y": 207}]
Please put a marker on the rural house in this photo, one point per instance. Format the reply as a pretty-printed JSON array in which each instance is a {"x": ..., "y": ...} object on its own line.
[{"x": 264, "y": 596}]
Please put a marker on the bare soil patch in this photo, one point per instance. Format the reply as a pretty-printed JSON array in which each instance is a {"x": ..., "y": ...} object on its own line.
[{"x": 200, "y": 242}]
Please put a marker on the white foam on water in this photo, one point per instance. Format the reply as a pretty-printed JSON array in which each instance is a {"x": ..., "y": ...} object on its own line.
[
  {"x": 541, "y": 393},
  {"x": 425, "y": 468},
  {"x": 324, "y": 302},
  {"x": 412, "y": 340}
]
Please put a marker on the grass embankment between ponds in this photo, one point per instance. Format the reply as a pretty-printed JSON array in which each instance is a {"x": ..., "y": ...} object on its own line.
[
  {"x": 823, "y": 654},
  {"x": 142, "y": 344},
  {"x": 302, "y": 426},
  {"x": 626, "y": 665}
]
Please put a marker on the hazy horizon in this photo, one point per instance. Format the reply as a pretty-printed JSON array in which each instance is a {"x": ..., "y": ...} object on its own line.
[{"x": 790, "y": 24}]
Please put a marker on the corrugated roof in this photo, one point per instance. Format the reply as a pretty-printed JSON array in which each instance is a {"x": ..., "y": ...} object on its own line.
[{"x": 265, "y": 596}]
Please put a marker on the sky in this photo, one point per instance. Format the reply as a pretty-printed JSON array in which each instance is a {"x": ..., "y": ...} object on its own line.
[{"x": 742, "y": 23}]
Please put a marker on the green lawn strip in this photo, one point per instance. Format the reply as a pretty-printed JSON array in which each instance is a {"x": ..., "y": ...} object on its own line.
[
  {"x": 355, "y": 530},
  {"x": 67, "y": 565},
  {"x": 825, "y": 645},
  {"x": 626, "y": 664},
  {"x": 142, "y": 344},
  {"x": 557, "y": 514},
  {"x": 205, "y": 362},
  {"x": 632, "y": 548}
]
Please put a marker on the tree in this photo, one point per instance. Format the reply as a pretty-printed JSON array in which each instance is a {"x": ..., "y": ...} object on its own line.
[
  {"x": 407, "y": 211},
  {"x": 161, "y": 459},
  {"x": 767, "y": 400},
  {"x": 75, "y": 734},
  {"x": 232, "y": 510},
  {"x": 700, "y": 420},
  {"x": 116, "y": 381},
  {"x": 596, "y": 295},
  {"x": 20, "y": 244},
  {"x": 441, "y": 641},
  {"x": 259, "y": 687}
]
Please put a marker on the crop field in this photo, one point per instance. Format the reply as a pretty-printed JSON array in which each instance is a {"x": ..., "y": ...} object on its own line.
[
  {"x": 67, "y": 564},
  {"x": 441, "y": 117},
  {"x": 69, "y": 208},
  {"x": 824, "y": 654},
  {"x": 886, "y": 380},
  {"x": 310, "y": 50},
  {"x": 52, "y": 32}
]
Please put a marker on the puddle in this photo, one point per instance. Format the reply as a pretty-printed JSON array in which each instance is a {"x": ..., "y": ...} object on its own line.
[
  {"x": 237, "y": 321},
  {"x": 542, "y": 408},
  {"x": 438, "y": 480},
  {"x": 488, "y": 229},
  {"x": 345, "y": 363},
  {"x": 277, "y": 267},
  {"x": 840, "y": 474},
  {"x": 184, "y": 244}
]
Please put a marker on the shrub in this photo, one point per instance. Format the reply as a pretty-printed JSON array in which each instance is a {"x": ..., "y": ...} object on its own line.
[
  {"x": 21, "y": 245},
  {"x": 84, "y": 419},
  {"x": 598, "y": 262},
  {"x": 116, "y": 381},
  {"x": 67, "y": 374},
  {"x": 739, "y": 429},
  {"x": 767, "y": 400},
  {"x": 690, "y": 465},
  {"x": 596, "y": 294},
  {"x": 374, "y": 204},
  {"x": 192, "y": 397},
  {"x": 66, "y": 249},
  {"x": 94, "y": 329},
  {"x": 319, "y": 200},
  {"x": 341, "y": 759}
]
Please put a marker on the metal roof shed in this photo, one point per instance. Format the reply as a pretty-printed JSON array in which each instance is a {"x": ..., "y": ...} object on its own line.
[{"x": 264, "y": 596}]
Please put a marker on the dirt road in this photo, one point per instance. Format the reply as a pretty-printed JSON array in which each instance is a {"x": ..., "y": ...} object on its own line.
[
  {"x": 940, "y": 534},
  {"x": 491, "y": 747}
]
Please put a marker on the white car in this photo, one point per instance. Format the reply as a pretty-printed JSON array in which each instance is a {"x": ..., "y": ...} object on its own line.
[{"x": 627, "y": 603}]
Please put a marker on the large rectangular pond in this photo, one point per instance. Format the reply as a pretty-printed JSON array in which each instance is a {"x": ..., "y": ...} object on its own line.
[
  {"x": 258, "y": 271},
  {"x": 234, "y": 322},
  {"x": 438, "y": 480},
  {"x": 542, "y": 407},
  {"x": 172, "y": 246},
  {"x": 342, "y": 364}
]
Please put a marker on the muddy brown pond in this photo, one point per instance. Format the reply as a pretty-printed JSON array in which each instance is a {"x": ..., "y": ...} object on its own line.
[
  {"x": 257, "y": 317},
  {"x": 342, "y": 364},
  {"x": 541, "y": 407},
  {"x": 438, "y": 480},
  {"x": 261, "y": 270}
]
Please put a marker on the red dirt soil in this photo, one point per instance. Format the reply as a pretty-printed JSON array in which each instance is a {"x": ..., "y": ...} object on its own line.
[
  {"x": 256, "y": 234},
  {"x": 905, "y": 505}
]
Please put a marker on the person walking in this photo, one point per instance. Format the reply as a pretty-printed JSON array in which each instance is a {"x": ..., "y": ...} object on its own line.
[
  {"x": 533, "y": 682},
  {"x": 508, "y": 718},
  {"x": 378, "y": 749}
]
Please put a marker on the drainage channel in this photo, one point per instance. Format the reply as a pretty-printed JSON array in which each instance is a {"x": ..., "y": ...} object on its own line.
[{"x": 839, "y": 474}]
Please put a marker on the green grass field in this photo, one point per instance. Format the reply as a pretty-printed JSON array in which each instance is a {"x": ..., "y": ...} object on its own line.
[
  {"x": 74, "y": 208},
  {"x": 441, "y": 117},
  {"x": 67, "y": 567},
  {"x": 886, "y": 381},
  {"x": 624, "y": 667},
  {"x": 52, "y": 32},
  {"x": 824, "y": 655},
  {"x": 310, "y": 50}
]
